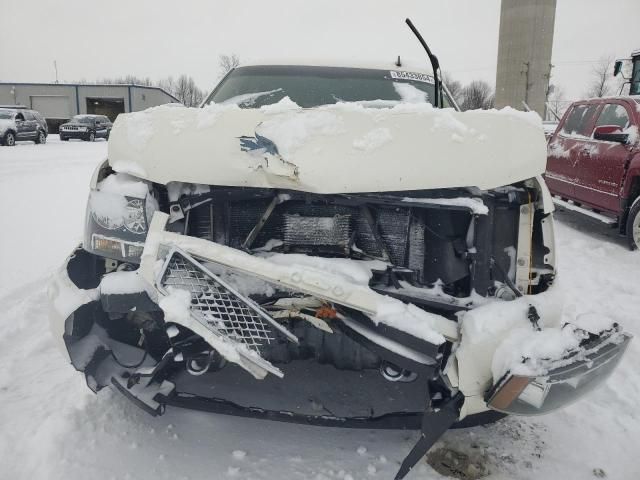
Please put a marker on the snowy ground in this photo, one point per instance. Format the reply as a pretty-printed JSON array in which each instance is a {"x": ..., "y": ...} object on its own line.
[{"x": 52, "y": 427}]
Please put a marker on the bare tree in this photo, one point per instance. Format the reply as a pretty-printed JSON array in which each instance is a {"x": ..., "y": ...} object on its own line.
[
  {"x": 168, "y": 84},
  {"x": 227, "y": 63},
  {"x": 601, "y": 78},
  {"x": 477, "y": 94},
  {"x": 556, "y": 102},
  {"x": 454, "y": 87},
  {"x": 184, "y": 88},
  {"x": 124, "y": 80}
]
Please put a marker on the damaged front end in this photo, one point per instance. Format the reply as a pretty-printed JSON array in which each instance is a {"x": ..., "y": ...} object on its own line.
[
  {"x": 321, "y": 265},
  {"x": 417, "y": 309}
]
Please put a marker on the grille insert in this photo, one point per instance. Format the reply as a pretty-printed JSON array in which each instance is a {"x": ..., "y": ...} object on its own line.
[{"x": 218, "y": 306}]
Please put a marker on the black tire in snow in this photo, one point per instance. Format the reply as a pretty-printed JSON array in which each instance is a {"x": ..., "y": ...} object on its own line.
[
  {"x": 41, "y": 138},
  {"x": 9, "y": 139},
  {"x": 633, "y": 225}
]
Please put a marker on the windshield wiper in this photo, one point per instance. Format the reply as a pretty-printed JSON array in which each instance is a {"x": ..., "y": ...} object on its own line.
[{"x": 435, "y": 65}]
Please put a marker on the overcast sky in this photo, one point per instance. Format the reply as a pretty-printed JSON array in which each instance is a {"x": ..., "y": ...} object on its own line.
[{"x": 112, "y": 38}]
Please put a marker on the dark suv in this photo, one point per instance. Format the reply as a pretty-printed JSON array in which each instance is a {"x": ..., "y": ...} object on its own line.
[
  {"x": 21, "y": 124},
  {"x": 86, "y": 127}
]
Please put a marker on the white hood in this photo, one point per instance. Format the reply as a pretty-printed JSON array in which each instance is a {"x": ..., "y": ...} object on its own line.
[{"x": 341, "y": 148}]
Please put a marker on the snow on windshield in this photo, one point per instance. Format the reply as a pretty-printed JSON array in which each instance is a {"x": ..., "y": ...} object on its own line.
[
  {"x": 248, "y": 99},
  {"x": 410, "y": 94}
]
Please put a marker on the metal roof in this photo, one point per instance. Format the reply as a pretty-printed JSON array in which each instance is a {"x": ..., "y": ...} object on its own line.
[{"x": 89, "y": 85}]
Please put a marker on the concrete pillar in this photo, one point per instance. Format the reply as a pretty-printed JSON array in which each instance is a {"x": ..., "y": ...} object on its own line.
[{"x": 524, "y": 53}]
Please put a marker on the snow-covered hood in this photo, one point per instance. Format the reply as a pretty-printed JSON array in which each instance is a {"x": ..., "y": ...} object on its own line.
[{"x": 342, "y": 148}]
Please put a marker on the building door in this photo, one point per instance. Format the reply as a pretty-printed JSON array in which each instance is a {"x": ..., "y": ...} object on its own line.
[{"x": 111, "y": 107}]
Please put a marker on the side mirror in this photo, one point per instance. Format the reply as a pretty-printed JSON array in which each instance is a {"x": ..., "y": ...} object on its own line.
[
  {"x": 617, "y": 68},
  {"x": 610, "y": 133}
]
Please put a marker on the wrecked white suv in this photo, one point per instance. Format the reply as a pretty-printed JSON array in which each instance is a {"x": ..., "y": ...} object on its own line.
[{"x": 322, "y": 245}]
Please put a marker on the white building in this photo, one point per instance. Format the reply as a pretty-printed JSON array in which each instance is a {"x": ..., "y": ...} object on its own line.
[{"x": 58, "y": 102}]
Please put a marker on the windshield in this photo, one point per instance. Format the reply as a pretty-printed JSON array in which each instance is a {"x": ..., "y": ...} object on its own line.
[
  {"x": 256, "y": 86},
  {"x": 6, "y": 114},
  {"x": 82, "y": 119}
]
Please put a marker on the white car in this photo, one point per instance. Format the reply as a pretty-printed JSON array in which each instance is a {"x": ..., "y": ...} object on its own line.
[{"x": 319, "y": 244}]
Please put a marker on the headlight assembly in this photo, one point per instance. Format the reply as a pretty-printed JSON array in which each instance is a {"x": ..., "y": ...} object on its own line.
[{"x": 117, "y": 221}]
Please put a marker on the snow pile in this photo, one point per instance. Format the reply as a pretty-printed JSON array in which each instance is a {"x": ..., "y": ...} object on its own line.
[
  {"x": 339, "y": 148},
  {"x": 209, "y": 115},
  {"x": 284, "y": 105},
  {"x": 123, "y": 184},
  {"x": 139, "y": 132},
  {"x": 176, "y": 305},
  {"x": 410, "y": 94},
  {"x": 108, "y": 201},
  {"x": 408, "y": 318},
  {"x": 529, "y": 352},
  {"x": 354, "y": 271},
  {"x": 373, "y": 139},
  {"x": 494, "y": 319},
  {"x": 119, "y": 283},
  {"x": 290, "y": 132}
]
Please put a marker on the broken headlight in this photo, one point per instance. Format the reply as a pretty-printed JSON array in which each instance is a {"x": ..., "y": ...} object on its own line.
[
  {"x": 118, "y": 216},
  {"x": 572, "y": 379}
]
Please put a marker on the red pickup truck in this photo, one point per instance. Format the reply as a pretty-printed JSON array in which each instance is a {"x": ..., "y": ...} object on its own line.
[{"x": 593, "y": 162}]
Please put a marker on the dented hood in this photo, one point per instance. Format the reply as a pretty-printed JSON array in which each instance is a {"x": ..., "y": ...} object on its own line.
[{"x": 340, "y": 148}]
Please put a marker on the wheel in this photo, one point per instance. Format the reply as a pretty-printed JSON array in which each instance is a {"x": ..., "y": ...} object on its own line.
[
  {"x": 633, "y": 225},
  {"x": 10, "y": 139},
  {"x": 41, "y": 138},
  {"x": 92, "y": 136}
]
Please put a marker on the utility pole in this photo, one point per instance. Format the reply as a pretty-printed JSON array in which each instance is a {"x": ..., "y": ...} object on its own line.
[
  {"x": 55, "y": 67},
  {"x": 524, "y": 53}
]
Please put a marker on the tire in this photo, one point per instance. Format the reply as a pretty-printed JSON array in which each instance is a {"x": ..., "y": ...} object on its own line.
[
  {"x": 91, "y": 137},
  {"x": 633, "y": 225},
  {"x": 10, "y": 139},
  {"x": 41, "y": 138}
]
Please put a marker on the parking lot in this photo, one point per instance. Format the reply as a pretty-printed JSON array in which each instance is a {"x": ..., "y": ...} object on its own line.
[{"x": 54, "y": 428}]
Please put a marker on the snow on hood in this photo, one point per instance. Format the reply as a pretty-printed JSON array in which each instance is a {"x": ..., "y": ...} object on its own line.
[{"x": 343, "y": 148}]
